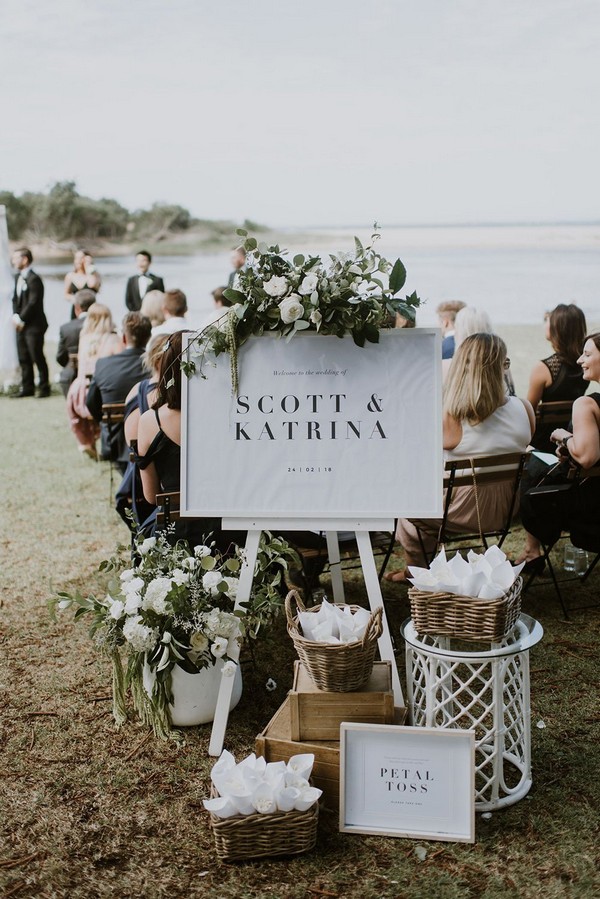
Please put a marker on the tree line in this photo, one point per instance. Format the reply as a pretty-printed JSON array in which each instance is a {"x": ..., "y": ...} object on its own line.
[{"x": 63, "y": 214}]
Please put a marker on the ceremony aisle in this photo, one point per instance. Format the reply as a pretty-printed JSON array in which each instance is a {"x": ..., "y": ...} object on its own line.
[{"x": 90, "y": 811}]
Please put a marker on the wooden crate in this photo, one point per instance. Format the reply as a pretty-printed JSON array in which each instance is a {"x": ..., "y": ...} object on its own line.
[
  {"x": 317, "y": 714},
  {"x": 275, "y": 743}
]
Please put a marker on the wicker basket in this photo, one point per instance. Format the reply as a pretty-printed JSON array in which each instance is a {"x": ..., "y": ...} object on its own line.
[
  {"x": 466, "y": 617},
  {"x": 256, "y": 836},
  {"x": 337, "y": 668}
]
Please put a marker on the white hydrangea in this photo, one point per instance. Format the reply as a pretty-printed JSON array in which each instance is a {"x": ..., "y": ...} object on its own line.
[
  {"x": 127, "y": 574},
  {"x": 156, "y": 594},
  {"x": 132, "y": 603},
  {"x": 133, "y": 586},
  {"x": 141, "y": 637},
  {"x": 212, "y": 621},
  {"x": 117, "y": 609}
]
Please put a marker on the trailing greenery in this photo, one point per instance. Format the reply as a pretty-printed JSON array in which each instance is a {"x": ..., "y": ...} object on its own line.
[{"x": 353, "y": 294}]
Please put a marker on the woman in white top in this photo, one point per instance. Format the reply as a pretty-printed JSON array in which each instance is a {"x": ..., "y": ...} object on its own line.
[{"x": 480, "y": 419}]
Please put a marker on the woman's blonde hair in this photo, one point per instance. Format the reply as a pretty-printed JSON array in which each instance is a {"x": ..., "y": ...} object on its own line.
[
  {"x": 475, "y": 387},
  {"x": 470, "y": 320},
  {"x": 152, "y": 307},
  {"x": 154, "y": 352},
  {"x": 98, "y": 320}
]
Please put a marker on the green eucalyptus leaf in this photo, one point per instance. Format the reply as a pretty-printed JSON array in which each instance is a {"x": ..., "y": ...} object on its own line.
[
  {"x": 397, "y": 277},
  {"x": 208, "y": 563},
  {"x": 234, "y": 296},
  {"x": 299, "y": 260},
  {"x": 241, "y": 232}
]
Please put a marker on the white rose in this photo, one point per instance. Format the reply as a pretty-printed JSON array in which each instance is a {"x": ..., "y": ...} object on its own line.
[
  {"x": 189, "y": 563},
  {"x": 148, "y": 544},
  {"x": 219, "y": 647},
  {"x": 140, "y": 637},
  {"x": 316, "y": 318},
  {"x": 198, "y": 642},
  {"x": 127, "y": 574},
  {"x": 309, "y": 284},
  {"x": 276, "y": 287},
  {"x": 291, "y": 309},
  {"x": 211, "y": 581},
  {"x": 201, "y": 551},
  {"x": 229, "y": 669}
]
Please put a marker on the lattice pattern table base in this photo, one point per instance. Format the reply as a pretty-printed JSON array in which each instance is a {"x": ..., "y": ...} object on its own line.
[{"x": 484, "y": 689}]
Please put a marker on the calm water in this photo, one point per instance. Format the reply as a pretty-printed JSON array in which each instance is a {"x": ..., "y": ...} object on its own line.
[{"x": 513, "y": 273}]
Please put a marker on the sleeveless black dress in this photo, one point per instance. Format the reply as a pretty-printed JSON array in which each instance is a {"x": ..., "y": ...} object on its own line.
[
  {"x": 567, "y": 384},
  {"x": 166, "y": 456}
]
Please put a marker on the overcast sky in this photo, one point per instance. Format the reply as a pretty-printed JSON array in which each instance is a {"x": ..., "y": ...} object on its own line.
[{"x": 308, "y": 112}]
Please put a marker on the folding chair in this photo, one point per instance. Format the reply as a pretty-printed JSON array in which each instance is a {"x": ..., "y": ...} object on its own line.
[
  {"x": 592, "y": 544},
  {"x": 557, "y": 413},
  {"x": 167, "y": 509},
  {"x": 480, "y": 472}
]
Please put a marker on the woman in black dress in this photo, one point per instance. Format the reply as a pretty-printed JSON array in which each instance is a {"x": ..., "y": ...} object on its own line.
[{"x": 558, "y": 377}]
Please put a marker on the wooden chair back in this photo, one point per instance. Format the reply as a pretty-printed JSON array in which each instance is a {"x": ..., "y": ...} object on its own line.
[
  {"x": 113, "y": 414},
  {"x": 556, "y": 413},
  {"x": 479, "y": 472},
  {"x": 167, "y": 509}
]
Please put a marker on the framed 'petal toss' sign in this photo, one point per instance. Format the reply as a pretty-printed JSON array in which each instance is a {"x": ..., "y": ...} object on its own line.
[{"x": 415, "y": 782}]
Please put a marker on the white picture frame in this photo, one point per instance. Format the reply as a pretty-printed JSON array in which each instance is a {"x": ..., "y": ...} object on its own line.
[
  {"x": 319, "y": 429},
  {"x": 412, "y": 782}
]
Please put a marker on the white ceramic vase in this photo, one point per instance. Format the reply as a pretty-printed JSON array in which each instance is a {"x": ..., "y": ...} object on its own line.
[{"x": 195, "y": 695}]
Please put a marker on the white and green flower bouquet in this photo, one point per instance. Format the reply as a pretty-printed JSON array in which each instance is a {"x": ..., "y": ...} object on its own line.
[
  {"x": 174, "y": 606},
  {"x": 352, "y": 293}
]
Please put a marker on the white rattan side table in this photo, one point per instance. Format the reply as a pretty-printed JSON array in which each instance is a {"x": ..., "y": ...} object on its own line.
[{"x": 485, "y": 687}]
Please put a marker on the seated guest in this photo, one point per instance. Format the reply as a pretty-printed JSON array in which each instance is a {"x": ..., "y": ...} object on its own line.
[
  {"x": 447, "y": 313},
  {"x": 113, "y": 379},
  {"x": 221, "y": 305},
  {"x": 558, "y": 377},
  {"x": 174, "y": 308},
  {"x": 574, "y": 510},
  {"x": 152, "y": 307},
  {"x": 130, "y": 495},
  {"x": 159, "y": 447},
  {"x": 480, "y": 419},
  {"x": 96, "y": 340},
  {"x": 68, "y": 338},
  {"x": 142, "y": 283},
  {"x": 470, "y": 320}
]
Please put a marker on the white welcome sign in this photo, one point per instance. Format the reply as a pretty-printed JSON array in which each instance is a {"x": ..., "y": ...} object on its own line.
[{"x": 319, "y": 429}]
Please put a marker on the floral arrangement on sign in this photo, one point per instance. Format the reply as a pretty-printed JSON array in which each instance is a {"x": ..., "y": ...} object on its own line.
[
  {"x": 255, "y": 786},
  {"x": 352, "y": 294},
  {"x": 174, "y": 606}
]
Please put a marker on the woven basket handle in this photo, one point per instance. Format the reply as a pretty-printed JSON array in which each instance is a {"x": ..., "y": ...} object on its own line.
[
  {"x": 294, "y": 596},
  {"x": 374, "y": 627}
]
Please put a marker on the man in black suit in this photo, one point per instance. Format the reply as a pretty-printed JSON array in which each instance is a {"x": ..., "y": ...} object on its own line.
[
  {"x": 68, "y": 337},
  {"x": 139, "y": 285},
  {"x": 114, "y": 376},
  {"x": 30, "y": 324}
]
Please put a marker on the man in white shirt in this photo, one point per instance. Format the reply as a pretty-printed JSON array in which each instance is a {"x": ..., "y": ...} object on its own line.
[
  {"x": 174, "y": 310},
  {"x": 142, "y": 283}
]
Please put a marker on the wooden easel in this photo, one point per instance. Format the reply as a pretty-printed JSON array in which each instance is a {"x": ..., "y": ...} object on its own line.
[{"x": 361, "y": 528}]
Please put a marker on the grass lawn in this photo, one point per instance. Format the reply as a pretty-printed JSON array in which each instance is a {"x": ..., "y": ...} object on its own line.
[{"x": 90, "y": 811}]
